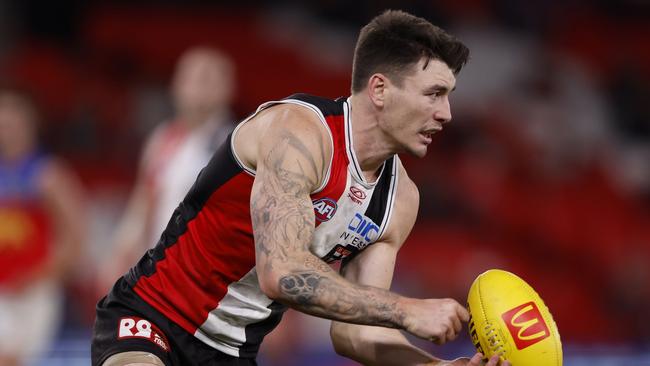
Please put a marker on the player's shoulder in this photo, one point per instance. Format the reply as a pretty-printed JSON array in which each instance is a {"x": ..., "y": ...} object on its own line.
[
  {"x": 283, "y": 123},
  {"x": 408, "y": 193},
  {"x": 326, "y": 106},
  {"x": 301, "y": 113},
  {"x": 407, "y": 201}
]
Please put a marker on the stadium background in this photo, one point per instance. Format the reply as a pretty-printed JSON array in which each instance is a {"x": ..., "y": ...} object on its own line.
[{"x": 545, "y": 170}]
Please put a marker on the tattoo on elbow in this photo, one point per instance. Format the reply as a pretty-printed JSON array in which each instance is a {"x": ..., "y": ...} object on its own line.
[{"x": 301, "y": 287}]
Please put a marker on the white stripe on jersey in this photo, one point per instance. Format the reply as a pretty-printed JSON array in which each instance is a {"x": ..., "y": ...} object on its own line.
[{"x": 243, "y": 304}]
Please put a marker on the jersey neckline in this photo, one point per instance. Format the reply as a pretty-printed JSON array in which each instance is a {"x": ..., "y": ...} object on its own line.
[{"x": 354, "y": 167}]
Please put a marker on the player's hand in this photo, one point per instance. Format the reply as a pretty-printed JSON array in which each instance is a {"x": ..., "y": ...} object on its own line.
[
  {"x": 437, "y": 320},
  {"x": 477, "y": 361}
]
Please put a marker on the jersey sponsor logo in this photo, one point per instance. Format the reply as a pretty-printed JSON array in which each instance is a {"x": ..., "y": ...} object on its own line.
[
  {"x": 526, "y": 325},
  {"x": 338, "y": 252},
  {"x": 364, "y": 227},
  {"x": 324, "y": 209},
  {"x": 357, "y": 195},
  {"x": 134, "y": 327}
]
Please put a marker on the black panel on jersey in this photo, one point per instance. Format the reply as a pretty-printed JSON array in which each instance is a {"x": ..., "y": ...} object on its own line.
[
  {"x": 379, "y": 202},
  {"x": 255, "y": 332},
  {"x": 327, "y": 106},
  {"x": 221, "y": 168}
]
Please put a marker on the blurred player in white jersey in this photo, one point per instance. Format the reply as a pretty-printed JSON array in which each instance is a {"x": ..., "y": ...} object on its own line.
[{"x": 202, "y": 90}]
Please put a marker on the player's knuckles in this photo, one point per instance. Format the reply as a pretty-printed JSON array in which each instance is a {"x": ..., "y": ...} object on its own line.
[{"x": 450, "y": 303}]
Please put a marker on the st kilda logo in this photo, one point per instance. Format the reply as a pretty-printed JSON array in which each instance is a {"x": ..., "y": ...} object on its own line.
[
  {"x": 357, "y": 195},
  {"x": 324, "y": 209},
  {"x": 526, "y": 325}
]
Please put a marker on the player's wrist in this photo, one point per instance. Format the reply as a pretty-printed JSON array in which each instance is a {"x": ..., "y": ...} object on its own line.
[{"x": 402, "y": 319}]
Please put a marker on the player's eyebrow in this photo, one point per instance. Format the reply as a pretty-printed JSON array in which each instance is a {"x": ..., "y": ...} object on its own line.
[{"x": 439, "y": 88}]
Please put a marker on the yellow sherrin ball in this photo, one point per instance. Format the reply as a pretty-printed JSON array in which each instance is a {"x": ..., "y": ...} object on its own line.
[{"x": 509, "y": 318}]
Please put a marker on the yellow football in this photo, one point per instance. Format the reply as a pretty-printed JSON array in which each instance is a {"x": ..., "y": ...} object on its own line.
[{"x": 509, "y": 318}]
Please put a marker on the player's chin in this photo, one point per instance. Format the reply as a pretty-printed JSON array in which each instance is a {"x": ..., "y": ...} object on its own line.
[{"x": 419, "y": 151}]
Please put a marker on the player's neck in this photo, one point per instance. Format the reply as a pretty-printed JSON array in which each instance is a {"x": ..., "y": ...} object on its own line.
[{"x": 371, "y": 147}]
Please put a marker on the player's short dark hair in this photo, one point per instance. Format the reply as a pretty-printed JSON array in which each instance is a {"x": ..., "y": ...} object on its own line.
[{"x": 395, "y": 40}]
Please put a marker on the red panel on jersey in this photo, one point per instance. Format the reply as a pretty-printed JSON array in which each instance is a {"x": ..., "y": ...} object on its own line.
[
  {"x": 338, "y": 171},
  {"x": 216, "y": 250}
]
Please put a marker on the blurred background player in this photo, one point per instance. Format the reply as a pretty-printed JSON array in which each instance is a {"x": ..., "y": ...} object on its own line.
[
  {"x": 202, "y": 90},
  {"x": 41, "y": 233}
]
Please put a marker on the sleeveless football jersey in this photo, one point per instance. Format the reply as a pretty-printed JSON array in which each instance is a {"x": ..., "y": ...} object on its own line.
[{"x": 201, "y": 274}]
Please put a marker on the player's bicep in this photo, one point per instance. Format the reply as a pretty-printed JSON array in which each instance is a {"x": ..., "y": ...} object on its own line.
[
  {"x": 372, "y": 267},
  {"x": 375, "y": 265},
  {"x": 288, "y": 169},
  {"x": 281, "y": 210}
]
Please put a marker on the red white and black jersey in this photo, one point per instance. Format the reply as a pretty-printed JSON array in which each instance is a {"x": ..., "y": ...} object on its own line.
[{"x": 201, "y": 274}]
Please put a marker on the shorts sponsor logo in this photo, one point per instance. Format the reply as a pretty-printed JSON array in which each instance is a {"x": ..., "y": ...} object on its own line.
[
  {"x": 526, "y": 325},
  {"x": 357, "y": 195},
  {"x": 324, "y": 209},
  {"x": 134, "y": 327}
]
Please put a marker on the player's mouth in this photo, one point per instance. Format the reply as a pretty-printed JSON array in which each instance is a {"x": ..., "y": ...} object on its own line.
[{"x": 427, "y": 135}]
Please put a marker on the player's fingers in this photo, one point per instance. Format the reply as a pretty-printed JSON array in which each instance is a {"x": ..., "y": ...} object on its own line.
[
  {"x": 505, "y": 363},
  {"x": 451, "y": 334},
  {"x": 476, "y": 360},
  {"x": 458, "y": 326},
  {"x": 463, "y": 314},
  {"x": 494, "y": 361}
]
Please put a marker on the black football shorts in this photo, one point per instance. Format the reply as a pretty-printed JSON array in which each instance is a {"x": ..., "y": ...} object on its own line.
[{"x": 124, "y": 322}]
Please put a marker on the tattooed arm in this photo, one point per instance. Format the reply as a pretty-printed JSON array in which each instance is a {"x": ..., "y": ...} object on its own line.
[{"x": 290, "y": 161}]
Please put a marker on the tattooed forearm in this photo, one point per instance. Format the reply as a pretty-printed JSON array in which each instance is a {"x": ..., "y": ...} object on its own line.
[
  {"x": 300, "y": 287},
  {"x": 319, "y": 294}
]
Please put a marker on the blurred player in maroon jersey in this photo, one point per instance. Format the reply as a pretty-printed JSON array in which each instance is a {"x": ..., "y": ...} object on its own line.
[{"x": 41, "y": 232}]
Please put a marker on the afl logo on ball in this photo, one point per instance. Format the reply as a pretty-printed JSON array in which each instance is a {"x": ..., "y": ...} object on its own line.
[
  {"x": 356, "y": 195},
  {"x": 324, "y": 209}
]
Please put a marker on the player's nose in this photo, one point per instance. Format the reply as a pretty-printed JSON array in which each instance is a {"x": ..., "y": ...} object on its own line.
[{"x": 442, "y": 113}]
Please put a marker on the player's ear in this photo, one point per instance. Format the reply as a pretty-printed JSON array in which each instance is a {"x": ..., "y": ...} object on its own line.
[{"x": 377, "y": 88}]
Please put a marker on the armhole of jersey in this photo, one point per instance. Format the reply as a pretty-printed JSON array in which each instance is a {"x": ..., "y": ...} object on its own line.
[
  {"x": 311, "y": 107},
  {"x": 392, "y": 193},
  {"x": 239, "y": 162}
]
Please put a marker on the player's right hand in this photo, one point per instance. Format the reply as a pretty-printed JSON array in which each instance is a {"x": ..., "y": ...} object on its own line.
[{"x": 437, "y": 320}]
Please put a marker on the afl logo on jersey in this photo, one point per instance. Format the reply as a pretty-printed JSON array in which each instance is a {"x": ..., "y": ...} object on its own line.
[
  {"x": 356, "y": 195},
  {"x": 324, "y": 209}
]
